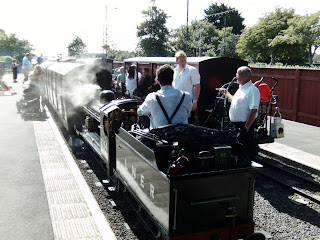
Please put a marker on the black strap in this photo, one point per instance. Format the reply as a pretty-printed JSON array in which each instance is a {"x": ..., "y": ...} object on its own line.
[{"x": 165, "y": 112}]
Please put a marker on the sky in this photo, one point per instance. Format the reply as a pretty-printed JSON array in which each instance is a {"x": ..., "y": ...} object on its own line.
[{"x": 50, "y": 26}]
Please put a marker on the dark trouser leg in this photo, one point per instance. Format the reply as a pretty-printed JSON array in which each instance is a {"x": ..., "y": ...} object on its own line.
[{"x": 247, "y": 139}]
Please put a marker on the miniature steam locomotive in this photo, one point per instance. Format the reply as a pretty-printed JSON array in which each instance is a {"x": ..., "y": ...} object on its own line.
[{"x": 193, "y": 181}]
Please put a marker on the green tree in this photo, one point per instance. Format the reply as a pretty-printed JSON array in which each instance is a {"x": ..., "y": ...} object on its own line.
[
  {"x": 153, "y": 32},
  {"x": 224, "y": 16},
  {"x": 76, "y": 48},
  {"x": 2, "y": 33},
  {"x": 117, "y": 55},
  {"x": 12, "y": 46},
  {"x": 203, "y": 38},
  {"x": 227, "y": 46},
  {"x": 256, "y": 42},
  {"x": 303, "y": 34}
]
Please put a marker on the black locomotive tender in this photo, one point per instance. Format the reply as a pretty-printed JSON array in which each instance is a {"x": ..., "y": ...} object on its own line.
[{"x": 193, "y": 181}]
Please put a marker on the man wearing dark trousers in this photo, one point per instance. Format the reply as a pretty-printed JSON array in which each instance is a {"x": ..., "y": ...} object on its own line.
[{"x": 244, "y": 107}]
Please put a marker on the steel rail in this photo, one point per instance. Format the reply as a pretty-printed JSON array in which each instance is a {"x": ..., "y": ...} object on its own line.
[
  {"x": 274, "y": 163},
  {"x": 294, "y": 189}
]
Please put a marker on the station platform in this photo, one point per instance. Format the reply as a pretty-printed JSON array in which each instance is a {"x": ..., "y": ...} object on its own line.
[
  {"x": 42, "y": 192},
  {"x": 300, "y": 146}
]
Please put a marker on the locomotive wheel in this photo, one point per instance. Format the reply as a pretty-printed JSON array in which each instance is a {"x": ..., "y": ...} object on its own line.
[
  {"x": 18, "y": 107},
  {"x": 255, "y": 236},
  {"x": 24, "y": 116}
]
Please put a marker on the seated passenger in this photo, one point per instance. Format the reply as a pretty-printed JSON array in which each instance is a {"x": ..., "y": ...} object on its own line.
[
  {"x": 168, "y": 105},
  {"x": 32, "y": 86}
]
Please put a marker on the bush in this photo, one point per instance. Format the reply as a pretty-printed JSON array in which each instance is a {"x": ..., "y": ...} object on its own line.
[{"x": 6, "y": 59}]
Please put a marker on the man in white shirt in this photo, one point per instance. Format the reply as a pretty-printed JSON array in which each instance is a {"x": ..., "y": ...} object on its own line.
[
  {"x": 168, "y": 105},
  {"x": 26, "y": 66},
  {"x": 187, "y": 78},
  {"x": 244, "y": 107}
]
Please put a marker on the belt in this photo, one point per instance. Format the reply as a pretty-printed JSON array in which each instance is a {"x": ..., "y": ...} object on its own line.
[{"x": 238, "y": 123}]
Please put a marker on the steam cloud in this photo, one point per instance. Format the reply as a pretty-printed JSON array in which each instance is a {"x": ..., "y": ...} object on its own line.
[{"x": 80, "y": 85}]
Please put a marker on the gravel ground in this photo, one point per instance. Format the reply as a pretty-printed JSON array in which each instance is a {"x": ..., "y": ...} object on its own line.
[
  {"x": 275, "y": 210},
  {"x": 123, "y": 220}
]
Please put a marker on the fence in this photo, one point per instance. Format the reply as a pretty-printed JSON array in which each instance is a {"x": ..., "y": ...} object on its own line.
[{"x": 298, "y": 92}]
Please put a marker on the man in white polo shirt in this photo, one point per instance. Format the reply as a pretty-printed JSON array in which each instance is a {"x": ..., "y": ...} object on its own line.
[
  {"x": 244, "y": 107},
  {"x": 187, "y": 78}
]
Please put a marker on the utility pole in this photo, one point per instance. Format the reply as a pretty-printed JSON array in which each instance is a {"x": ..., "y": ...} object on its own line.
[
  {"x": 106, "y": 29},
  {"x": 187, "y": 28},
  {"x": 224, "y": 36}
]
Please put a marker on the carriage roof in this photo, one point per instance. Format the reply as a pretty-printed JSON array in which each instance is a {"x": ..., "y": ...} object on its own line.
[{"x": 164, "y": 60}]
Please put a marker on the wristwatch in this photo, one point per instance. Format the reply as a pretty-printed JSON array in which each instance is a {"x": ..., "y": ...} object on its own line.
[{"x": 194, "y": 101}]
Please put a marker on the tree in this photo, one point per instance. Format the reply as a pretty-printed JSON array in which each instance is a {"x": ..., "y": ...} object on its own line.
[
  {"x": 2, "y": 33},
  {"x": 303, "y": 33},
  {"x": 153, "y": 33},
  {"x": 12, "y": 46},
  {"x": 117, "y": 55},
  {"x": 257, "y": 43},
  {"x": 231, "y": 17},
  {"x": 76, "y": 48},
  {"x": 203, "y": 38},
  {"x": 227, "y": 46}
]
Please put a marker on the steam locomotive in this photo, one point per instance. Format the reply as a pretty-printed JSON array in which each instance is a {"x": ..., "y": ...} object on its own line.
[{"x": 193, "y": 181}]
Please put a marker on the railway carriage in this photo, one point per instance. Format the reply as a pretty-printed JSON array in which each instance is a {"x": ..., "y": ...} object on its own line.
[{"x": 70, "y": 85}]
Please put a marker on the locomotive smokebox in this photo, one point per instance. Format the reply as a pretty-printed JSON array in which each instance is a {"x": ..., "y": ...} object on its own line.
[{"x": 106, "y": 96}]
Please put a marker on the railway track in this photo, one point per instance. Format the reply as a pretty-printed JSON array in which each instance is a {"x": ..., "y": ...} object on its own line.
[
  {"x": 132, "y": 223},
  {"x": 298, "y": 181},
  {"x": 130, "y": 217}
]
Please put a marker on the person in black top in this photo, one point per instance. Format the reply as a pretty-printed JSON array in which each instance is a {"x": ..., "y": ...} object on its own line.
[
  {"x": 15, "y": 70},
  {"x": 144, "y": 83}
]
